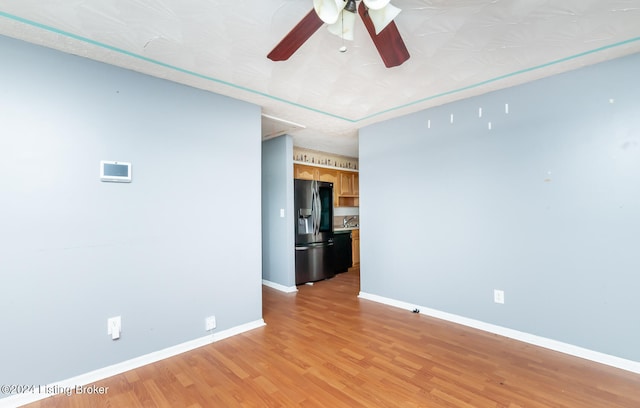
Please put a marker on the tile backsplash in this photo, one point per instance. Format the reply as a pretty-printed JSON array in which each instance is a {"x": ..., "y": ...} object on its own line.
[{"x": 345, "y": 211}]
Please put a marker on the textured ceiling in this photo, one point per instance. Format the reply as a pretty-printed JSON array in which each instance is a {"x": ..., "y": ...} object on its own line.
[{"x": 459, "y": 48}]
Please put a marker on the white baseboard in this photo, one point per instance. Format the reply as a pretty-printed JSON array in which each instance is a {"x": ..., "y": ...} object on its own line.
[
  {"x": 119, "y": 368},
  {"x": 624, "y": 364},
  {"x": 281, "y": 288}
]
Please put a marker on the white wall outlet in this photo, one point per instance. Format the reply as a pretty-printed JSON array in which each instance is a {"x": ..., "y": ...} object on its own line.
[
  {"x": 282, "y": 213},
  {"x": 114, "y": 327},
  {"x": 210, "y": 323},
  {"x": 498, "y": 296}
]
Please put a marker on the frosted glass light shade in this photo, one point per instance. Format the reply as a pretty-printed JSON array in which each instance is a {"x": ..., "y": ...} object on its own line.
[
  {"x": 328, "y": 10},
  {"x": 381, "y": 18}
]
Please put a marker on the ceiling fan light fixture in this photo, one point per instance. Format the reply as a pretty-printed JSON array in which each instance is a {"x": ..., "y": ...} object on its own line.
[
  {"x": 381, "y": 18},
  {"x": 345, "y": 25},
  {"x": 387, "y": 40},
  {"x": 329, "y": 10}
]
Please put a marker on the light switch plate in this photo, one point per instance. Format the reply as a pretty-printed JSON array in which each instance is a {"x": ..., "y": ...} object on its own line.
[
  {"x": 114, "y": 327},
  {"x": 210, "y": 323}
]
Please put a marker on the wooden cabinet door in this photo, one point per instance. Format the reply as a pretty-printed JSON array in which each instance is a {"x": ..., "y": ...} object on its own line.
[
  {"x": 300, "y": 171},
  {"x": 330, "y": 176},
  {"x": 356, "y": 184},
  {"x": 355, "y": 247},
  {"x": 346, "y": 183}
]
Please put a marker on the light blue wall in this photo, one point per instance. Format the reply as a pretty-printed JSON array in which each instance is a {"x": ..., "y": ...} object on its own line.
[
  {"x": 179, "y": 243},
  {"x": 278, "y": 262},
  {"x": 544, "y": 206}
]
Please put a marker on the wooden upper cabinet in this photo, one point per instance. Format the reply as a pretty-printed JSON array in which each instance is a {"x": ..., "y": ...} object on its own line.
[
  {"x": 300, "y": 171},
  {"x": 328, "y": 175},
  {"x": 349, "y": 183},
  {"x": 356, "y": 184},
  {"x": 349, "y": 189},
  {"x": 345, "y": 183}
]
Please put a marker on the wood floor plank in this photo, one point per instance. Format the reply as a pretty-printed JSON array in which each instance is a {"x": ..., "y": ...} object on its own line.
[{"x": 325, "y": 347}]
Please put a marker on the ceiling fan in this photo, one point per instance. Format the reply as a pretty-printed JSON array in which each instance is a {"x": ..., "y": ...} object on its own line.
[{"x": 377, "y": 16}]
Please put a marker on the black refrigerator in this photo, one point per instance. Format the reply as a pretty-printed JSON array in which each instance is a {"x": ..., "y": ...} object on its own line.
[{"x": 314, "y": 230}]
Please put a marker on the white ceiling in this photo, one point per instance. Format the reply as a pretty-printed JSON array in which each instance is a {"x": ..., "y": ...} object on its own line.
[{"x": 459, "y": 48}]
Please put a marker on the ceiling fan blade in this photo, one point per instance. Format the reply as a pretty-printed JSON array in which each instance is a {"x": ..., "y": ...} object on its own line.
[
  {"x": 296, "y": 37},
  {"x": 388, "y": 42}
]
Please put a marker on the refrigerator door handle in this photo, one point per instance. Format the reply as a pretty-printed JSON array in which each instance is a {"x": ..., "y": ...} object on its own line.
[
  {"x": 314, "y": 196},
  {"x": 313, "y": 207},
  {"x": 318, "y": 208}
]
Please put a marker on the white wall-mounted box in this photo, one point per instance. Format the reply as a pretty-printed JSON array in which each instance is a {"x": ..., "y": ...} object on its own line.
[{"x": 119, "y": 172}]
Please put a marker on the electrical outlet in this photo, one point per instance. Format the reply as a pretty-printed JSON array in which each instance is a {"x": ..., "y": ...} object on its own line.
[
  {"x": 210, "y": 323},
  {"x": 498, "y": 296}
]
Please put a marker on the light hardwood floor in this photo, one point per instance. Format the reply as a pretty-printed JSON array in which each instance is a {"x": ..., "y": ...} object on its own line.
[{"x": 324, "y": 347}]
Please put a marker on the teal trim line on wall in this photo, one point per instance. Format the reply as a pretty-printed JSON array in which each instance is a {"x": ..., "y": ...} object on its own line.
[
  {"x": 162, "y": 64},
  {"x": 505, "y": 76},
  {"x": 309, "y": 108}
]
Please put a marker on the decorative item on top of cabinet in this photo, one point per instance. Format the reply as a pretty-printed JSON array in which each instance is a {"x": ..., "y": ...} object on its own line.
[{"x": 317, "y": 158}]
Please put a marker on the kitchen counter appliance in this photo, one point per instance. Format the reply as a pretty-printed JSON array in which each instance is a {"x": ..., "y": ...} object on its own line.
[{"x": 313, "y": 204}]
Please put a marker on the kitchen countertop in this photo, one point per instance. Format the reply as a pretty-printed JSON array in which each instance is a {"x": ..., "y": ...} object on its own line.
[{"x": 345, "y": 229}]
